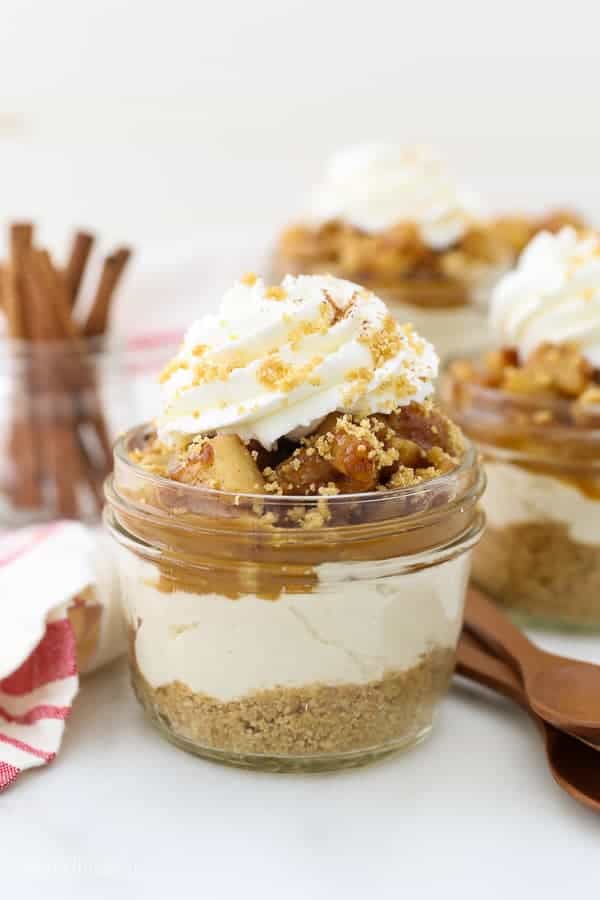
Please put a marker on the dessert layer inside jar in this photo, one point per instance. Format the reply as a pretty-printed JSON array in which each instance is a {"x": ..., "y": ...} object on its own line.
[
  {"x": 537, "y": 421},
  {"x": 400, "y": 264},
  {"x": 376, "y": 457},
  {"x": 353, "y": 661},
  {"x": 354, "y": 652}
]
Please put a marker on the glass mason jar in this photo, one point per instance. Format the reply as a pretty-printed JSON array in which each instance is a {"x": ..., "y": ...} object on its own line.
[
  {"x": 540, "y": 554},
  {"x": 62, "y": 404},
  {"x": 291, "y": 633}
]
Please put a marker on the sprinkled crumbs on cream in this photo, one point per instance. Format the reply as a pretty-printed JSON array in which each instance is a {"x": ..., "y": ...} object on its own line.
[
  {"x": 277, "y": 375},
  {"x": 328, "y": 342},
  {"x": 320, "y": 325},
  {"x": 173, "y": 366},
  {"x": 386, "y": 342},
  {"x": 276, "y": 292}
]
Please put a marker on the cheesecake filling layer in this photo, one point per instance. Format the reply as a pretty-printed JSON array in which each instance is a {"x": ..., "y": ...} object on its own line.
[
  {"x": 516, "y": 496},
  {"x": 353, "y": 631}
]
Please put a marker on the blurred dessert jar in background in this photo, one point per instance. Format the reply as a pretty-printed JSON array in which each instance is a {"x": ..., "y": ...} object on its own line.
[
  {"x": 533, "y": 406},
  {"x": 396, "y": 220},
  {"x": 295, "y": 532}
]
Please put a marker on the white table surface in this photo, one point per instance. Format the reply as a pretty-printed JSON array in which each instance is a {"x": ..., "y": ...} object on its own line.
[{"x": 472, "y": 813}]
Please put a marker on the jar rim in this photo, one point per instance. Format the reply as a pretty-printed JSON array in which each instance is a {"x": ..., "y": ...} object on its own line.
[
  {"x": 431, "y": 554},
  {"x": 486, "y": 407}
]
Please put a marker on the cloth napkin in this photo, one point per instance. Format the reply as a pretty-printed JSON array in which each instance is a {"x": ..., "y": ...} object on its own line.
[{"x": 59, "y": 618}]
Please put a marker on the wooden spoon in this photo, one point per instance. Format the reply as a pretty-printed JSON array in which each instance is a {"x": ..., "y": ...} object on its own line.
[
  {"x": 563, "y": 691},
  {"x": 575, "y": 766}
]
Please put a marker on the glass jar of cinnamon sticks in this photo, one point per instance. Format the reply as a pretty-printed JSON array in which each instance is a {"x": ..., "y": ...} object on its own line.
[{"x": 63, "y": 385}]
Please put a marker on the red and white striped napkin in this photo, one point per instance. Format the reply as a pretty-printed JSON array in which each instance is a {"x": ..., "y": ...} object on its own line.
[{"x": 59, "y": 616}]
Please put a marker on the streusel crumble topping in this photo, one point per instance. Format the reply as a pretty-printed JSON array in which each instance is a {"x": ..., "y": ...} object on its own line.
[
  {"x": 343, "y": 455},
  {"x": 557, "y": 376}
]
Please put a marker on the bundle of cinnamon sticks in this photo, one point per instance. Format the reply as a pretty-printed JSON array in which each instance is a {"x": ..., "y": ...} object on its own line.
[{"x": 58, "y": 445}]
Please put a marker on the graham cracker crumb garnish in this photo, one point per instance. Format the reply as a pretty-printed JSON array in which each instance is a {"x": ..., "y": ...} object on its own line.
[
  {"x": 328, "y": 490},
  {"x": 276, "y": 292},
  {"x": 385, "y": 343},
  {"x": 273, "y": 372},
  {"x": 170, "y": 369},
  {"x": 277, "y": 375},
  {"x": 303, "y": 329}
]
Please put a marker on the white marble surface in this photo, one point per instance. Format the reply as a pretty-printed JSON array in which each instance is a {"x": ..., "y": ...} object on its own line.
[{"x": 471, "y": 813}]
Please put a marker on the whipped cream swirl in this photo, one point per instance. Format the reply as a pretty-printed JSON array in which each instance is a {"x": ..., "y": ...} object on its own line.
[
  {"x": 552, "y": 296},
  {"x": 274, "y": 361},
  {"x": 376, "y": 186}
]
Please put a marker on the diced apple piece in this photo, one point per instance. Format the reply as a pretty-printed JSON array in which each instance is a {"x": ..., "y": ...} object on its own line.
[{"x": 222, "y": 462}]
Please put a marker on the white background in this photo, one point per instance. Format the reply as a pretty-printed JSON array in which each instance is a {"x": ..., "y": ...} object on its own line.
[
  {"x": 200, "y": 125},
  {"x": 149, "y": 119}
]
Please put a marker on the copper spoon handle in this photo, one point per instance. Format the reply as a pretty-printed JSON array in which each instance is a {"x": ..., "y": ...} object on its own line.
[
  {"x": 494, "y": 629},
  {"x": 473, "y": 662}
]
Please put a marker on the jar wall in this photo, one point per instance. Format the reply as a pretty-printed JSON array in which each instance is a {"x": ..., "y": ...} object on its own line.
[{"x": 540, "y": 554}]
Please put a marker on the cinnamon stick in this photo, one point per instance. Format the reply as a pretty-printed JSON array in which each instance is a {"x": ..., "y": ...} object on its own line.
[
  {"x": 25, "y": 486},
  {"x": 55, "y": 421},
  {"x": 12, "y": 306},
  {"x": 21, "y": 237},
  {"x": 77, "y": 379},
  {"x": 83, "y": 380},
  {"x": 78, "y": 258},
  {"x": 56, "y": 295},
  {"x": 114, "y": 266}
]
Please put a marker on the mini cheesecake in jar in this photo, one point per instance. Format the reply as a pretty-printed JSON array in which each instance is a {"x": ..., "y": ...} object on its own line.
[{"x": 295, "y": 533}]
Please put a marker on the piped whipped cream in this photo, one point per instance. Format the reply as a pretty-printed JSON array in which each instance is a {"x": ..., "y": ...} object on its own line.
[
  {"x": 552, "y": 296},
  {"x": 376, "y": 186},
  {"x": 274, "y": 361}
]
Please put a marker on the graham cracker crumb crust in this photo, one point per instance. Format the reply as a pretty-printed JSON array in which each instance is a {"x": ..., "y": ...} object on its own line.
[
  {"x": 537, "y": 569},
  {"x": 309, "y": 720}
]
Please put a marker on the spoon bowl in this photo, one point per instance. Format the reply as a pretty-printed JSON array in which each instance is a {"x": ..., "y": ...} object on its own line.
[{"x": 567, "y": 693}]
